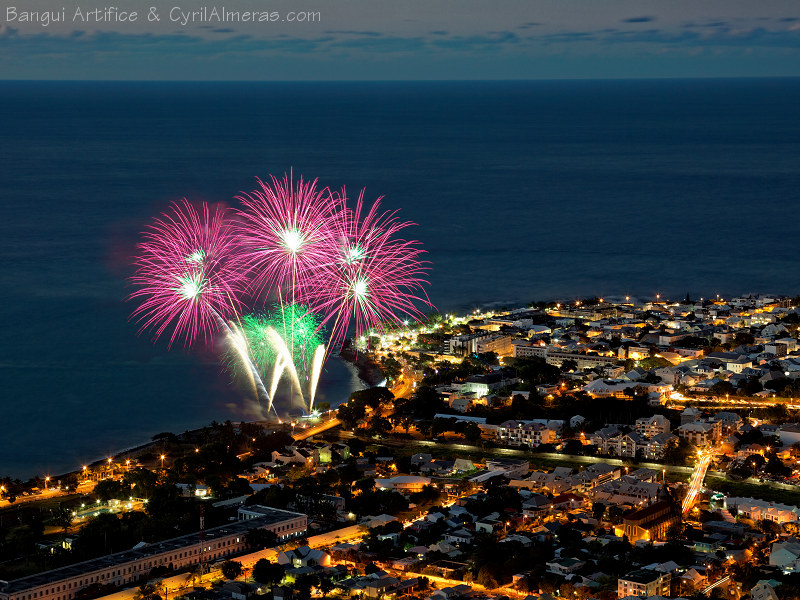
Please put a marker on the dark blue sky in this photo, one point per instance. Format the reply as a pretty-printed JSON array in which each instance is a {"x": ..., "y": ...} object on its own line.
[{"x": 400, "y": 39}]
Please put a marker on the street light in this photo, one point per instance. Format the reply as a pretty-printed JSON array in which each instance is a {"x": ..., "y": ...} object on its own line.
[{"x": 162, "y": 461}]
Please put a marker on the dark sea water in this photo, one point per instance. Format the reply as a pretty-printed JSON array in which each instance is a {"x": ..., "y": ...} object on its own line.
[{"x": 521, "y": 191}]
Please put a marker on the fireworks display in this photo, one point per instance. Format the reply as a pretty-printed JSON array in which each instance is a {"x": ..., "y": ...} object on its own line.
[
  {"x": 374, "y": 277},
  {"x": 285, "y": 231},
  {"x": 324, "y": 263},
  {"x": 186, "y": 276}
]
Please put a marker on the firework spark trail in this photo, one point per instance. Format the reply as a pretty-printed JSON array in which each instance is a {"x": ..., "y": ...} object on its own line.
[
  {"x": 319, "y": 358},
  {"x": 238, "y": 342},
  {"x": 285, "y": 356},
  {"x": 291, "y": 322},
  {"x": 276, "y": 376},
  {"x": 373, "y": 277},
  {"x": 187, "y": 273}
]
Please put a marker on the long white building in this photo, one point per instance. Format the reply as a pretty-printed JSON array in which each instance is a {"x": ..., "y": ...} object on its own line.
[{"x": 130, "y": 567}]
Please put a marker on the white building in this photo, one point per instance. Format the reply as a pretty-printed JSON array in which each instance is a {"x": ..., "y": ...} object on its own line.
[
  {"x": 652, "y": 426},
  {"x": 644, "y": 582}
]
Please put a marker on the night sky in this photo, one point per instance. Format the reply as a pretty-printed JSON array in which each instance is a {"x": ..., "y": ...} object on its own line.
[{"x": 420, "y": 39}]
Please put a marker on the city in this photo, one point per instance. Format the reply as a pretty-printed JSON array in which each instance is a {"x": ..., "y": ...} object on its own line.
[{"x": 591, "y": 449}]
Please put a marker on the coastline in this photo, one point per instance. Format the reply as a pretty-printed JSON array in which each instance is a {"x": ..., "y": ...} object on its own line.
[
  {"x": 368, "y": 373},
  {"x": 367, "y": 369}
]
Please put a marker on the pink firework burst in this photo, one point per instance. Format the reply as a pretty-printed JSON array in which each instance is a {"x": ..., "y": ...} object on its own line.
[
  {"x": 371, "y": 277},
  {"x": 286, "y": 230},
  {"x": 186, "y": 273}
]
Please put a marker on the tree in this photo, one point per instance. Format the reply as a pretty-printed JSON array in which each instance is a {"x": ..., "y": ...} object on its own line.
[
  {"x": 598, "y": 510},
  {"x": 62, "y": 517},
  {"x": 325, "y": 585},
  {"x": 568, "y": 366},
  {"x": 108, "y": 489},
  {"x": 472, "y": 432},
  {"x": 769, "y": 527},
  {"x": 304, "y": 584},
  {"x": 267, "y": 573},
  {"x": 231, "y": 569},
  {"x": 193, "y": 574},
  {"x": 148, "y": 591}
]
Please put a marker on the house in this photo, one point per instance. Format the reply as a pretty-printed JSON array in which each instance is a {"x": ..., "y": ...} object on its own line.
[
  {"x": 765, "y": 590},
  {"x": 658, "y": 445},
  {"x": 576, "y": 421},
  {"x": 759, "y": 510},
  {"x": 304, "y": 556},
  {"x": 690, "y": 414},
  {"x": 295, "y": 455},
  {"x": 481, "y": 385},
  {"x": 729, "y": 421},
  {"x": 375, "y": 588},
  {"x": 449, "y": 593},
  {"x": 459, "y": 536},
  {"x": 564, "y": 566}
]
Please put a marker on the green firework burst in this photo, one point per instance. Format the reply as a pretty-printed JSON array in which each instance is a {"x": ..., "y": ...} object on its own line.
[{"x": 298, "y": 327}]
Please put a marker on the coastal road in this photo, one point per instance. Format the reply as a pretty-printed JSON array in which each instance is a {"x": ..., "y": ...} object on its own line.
[
  {"x": 84, "y": 487},
  {"x": 319, "y": 428},
  {"x": 403, "y": 389}
]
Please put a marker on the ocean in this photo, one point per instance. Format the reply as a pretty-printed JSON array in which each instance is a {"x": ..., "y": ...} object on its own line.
[{"x": 521, "y": 191}]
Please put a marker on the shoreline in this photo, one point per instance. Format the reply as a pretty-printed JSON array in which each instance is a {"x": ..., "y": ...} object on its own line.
[{"x": 366, "y": 371}]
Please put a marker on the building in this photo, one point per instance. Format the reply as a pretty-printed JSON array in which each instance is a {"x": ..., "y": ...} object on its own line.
[
  {"x": 644, "y": 582},
  {"x": 510, "y": 467},
  {"x": 405, "y": 484},
  {"x": 499, "y": 344},
  {"x": 652, "y": 426},
  {"x": 481, "y": 385},
  {"x": 556, "y": 357},
  {"x": 690, "y": 414},
  {"x": 652, "y": 522},
  {"x": 701, "y": 433},
  {"x": 525, "y": 349},
  {"x": 462, "y": 345},
  {"x": 762, "y": 510},
  {"x": 564, "y": 566},
  {"x": 131, "y": 566},
  {"x": 530, "y": 433},
  {"x": 765, "y": 590}
]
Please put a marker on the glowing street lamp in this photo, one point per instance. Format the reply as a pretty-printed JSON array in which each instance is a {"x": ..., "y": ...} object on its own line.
[{"x": 162, "y": 461}]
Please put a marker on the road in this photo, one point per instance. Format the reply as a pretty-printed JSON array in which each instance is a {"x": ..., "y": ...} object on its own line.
[
  {"x": 85, "y": 487},
  {"x": 318, "y": 428},
  {"x": 697, "y": 480},
  {"x": 717, "y": 583},
  {"x": 403, "y": 389}
]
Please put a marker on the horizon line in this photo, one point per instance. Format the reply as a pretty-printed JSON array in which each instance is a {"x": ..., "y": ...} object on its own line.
[{"x": 401, "y": 80}]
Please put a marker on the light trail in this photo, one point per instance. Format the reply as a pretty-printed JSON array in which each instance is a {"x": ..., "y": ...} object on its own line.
[
  {"x": 696, "y": 482},
  {"x": 316, "y": 369}
]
